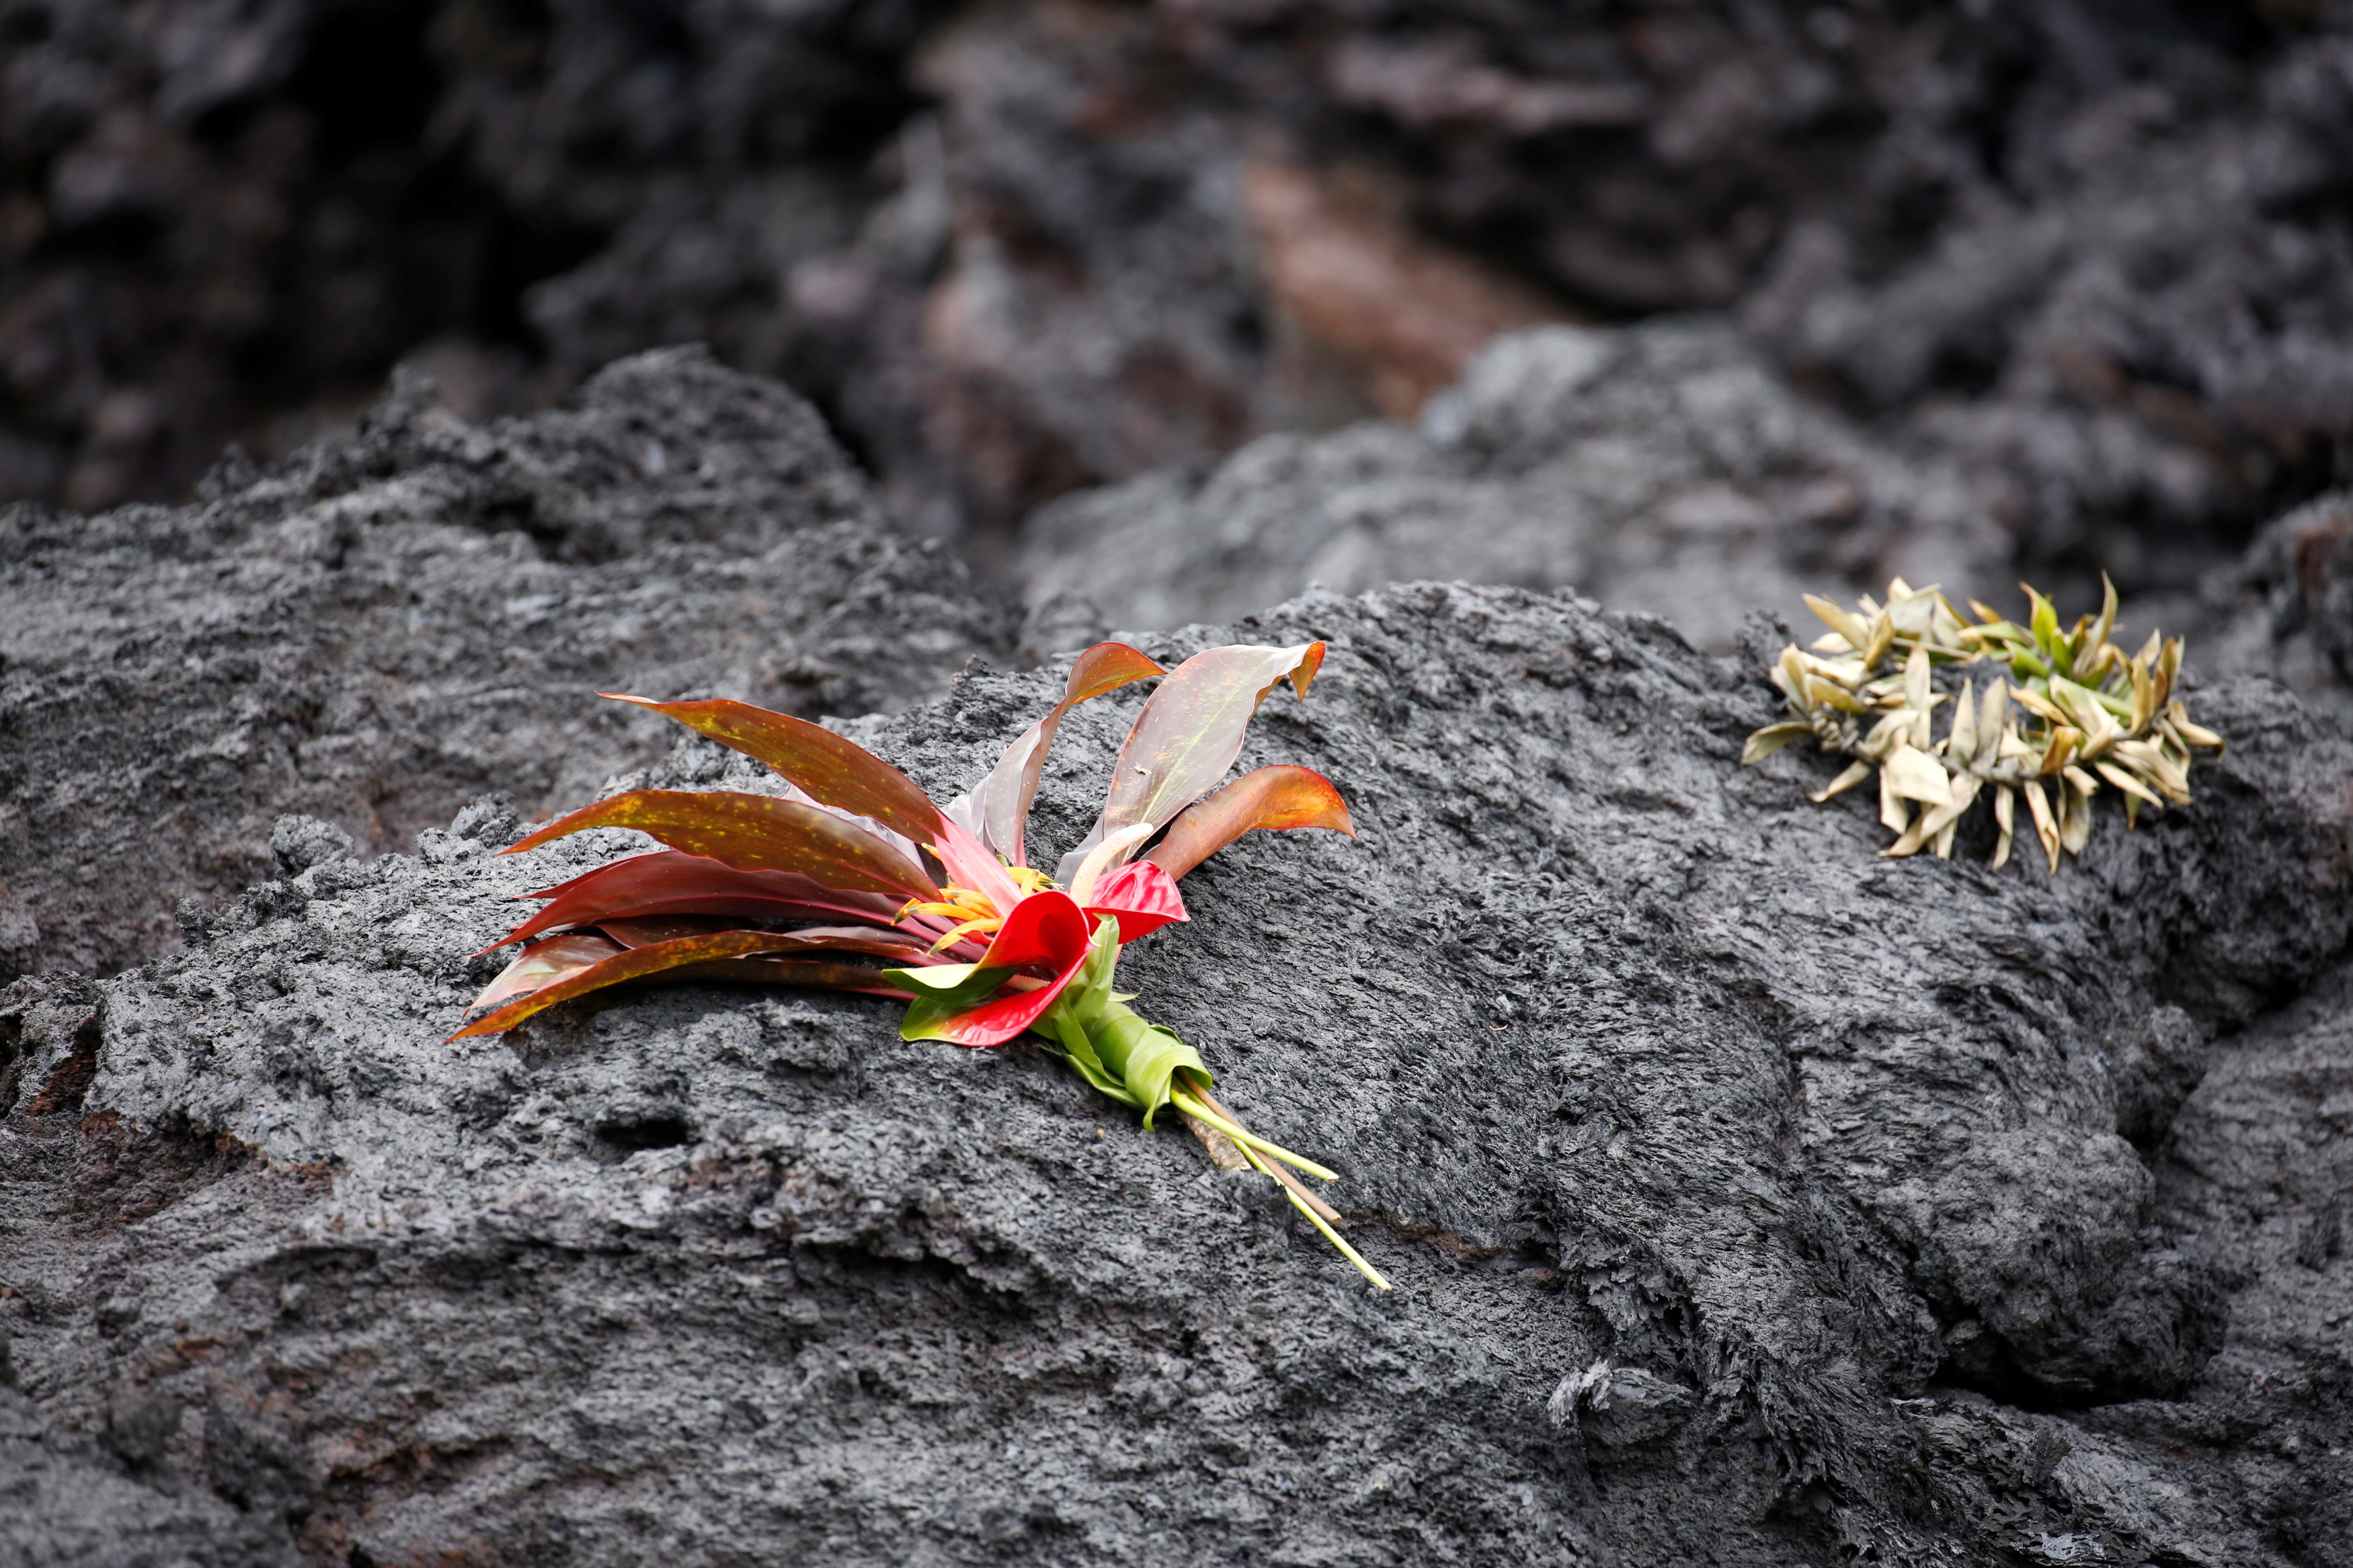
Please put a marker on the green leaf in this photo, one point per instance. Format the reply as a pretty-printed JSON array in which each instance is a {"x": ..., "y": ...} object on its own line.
[
  {"x": 1065, "y": 1028},
  {"x": 2046, "y": 626},
  {"x": 1090, "y": 991},
  {"x": 943, "y": 991},
  {"x": 1146, "y": 1056},
  {"x": 1115, "y": 1050},
  {"x": 753, "y": 832},
  {"x": 1189, "y": 733}
]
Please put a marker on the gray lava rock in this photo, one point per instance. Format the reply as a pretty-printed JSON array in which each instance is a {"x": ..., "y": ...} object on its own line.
[
  {"x": 2287, "y": 610},
  {"x": 2257, "y": 1167},
  {"x": 1624, "y": 1053},
  {"x": 381, "y": 629},
  {"x": 1619, "y": 1406},
  {"x": 2139, "y": 344},
  {"x": 69, "y": 1504},
  {"x": 1665, "y": 469}
]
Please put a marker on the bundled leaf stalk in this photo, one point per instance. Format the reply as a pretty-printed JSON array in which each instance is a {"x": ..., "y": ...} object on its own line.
[
  {"x": 2062, "y": 712},
  {"x": 854, "y": 862}
]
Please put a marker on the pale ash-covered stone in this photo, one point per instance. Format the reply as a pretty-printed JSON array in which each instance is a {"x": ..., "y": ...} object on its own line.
[{"x": 1626, "y": 1056}]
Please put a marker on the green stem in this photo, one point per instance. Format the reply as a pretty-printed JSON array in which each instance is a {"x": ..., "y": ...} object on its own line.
[
  {"x": 1346, "y": 1251},
  {"x": 1192, "y": 1107}
]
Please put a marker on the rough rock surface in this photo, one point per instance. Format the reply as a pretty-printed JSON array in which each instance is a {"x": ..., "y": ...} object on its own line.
[
  {"x": 1665, "y": 469},
  {"x": 380, "y": 629},
  {"x": 2287, "y": 609},
  {"x": 1751, "y": 1199}
]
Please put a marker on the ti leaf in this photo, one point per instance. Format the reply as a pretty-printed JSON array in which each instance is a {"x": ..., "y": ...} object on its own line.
[
  {"x": 634, "y": 964},
  {"x": 753, "y": 832},
  {"x": 545, "y": 965},
  {"x": 671, "y": 882},
  {"x": 1284, "y": 796},
  {"x": 1189, "y": 733},
  {"x": 834, "y": 770},
  {"x": 997, "y": 812}
]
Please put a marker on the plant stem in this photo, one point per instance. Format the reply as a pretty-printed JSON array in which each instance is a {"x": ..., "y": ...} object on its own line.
[
  {"x": 1185, "y": 1102},
  {"x": 1346, "y": 1251},
  {"x": 1297, "y": 1187},
  {"x": 1224, "y": 1153}
]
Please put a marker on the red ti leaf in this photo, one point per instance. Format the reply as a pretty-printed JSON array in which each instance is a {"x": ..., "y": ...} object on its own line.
[
  {"x": 767, "y": 969},
  {"x": 669, "y": 882},
  {"x": 1189, "y": 733},
  {"x": 880, "y": 941},
  {"x": 557, "y": 958},
  {"x": 645, "y": 931},
  {"x": 997, "y": 810},
  {"x": 634, "y": 964},
  {"x": 1140, "y": 896},
  {"x": 834, "y": 771},
  {"x": 753, "y": 832},
  {"x": 1282, "y": 797},
  {"x": 1046, "y": 930}
]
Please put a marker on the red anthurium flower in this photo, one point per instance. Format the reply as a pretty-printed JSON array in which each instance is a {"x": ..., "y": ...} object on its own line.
[{"x": 851, "y": 862}]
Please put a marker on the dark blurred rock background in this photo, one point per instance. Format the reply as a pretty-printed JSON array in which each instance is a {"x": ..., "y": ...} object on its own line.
[{"x": 2091, "y": 255}]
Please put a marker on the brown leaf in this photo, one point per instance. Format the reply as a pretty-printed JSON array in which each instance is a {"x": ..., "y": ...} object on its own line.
[
  {"x": 753, "y": 832},
  {"x": 834, "y": 771},
  {"x": 1283, "y": 797}
]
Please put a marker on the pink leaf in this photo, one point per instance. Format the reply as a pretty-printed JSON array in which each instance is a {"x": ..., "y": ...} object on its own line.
[
  {"x": 1189, "y": 733},
  {"x": 998, "y": 810}
]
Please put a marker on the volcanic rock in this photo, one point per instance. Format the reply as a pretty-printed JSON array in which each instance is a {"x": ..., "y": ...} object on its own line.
[
  {"x": 1666, "y": 468},
  {"x": 1750, "y": 1198},
  {"x": 380, "y": 629},
  {"x": 2288, "y": 608},
  {"x": 2093, "y": 252}
]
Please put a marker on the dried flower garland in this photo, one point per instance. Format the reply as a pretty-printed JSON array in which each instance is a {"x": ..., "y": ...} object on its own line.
[
  {"x": 854, "y": 861},
  {"x": 2062, "y": 712}
]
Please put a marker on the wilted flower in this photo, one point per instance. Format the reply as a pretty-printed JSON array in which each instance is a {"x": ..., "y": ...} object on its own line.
[{"x": 2086, "y": 712}]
